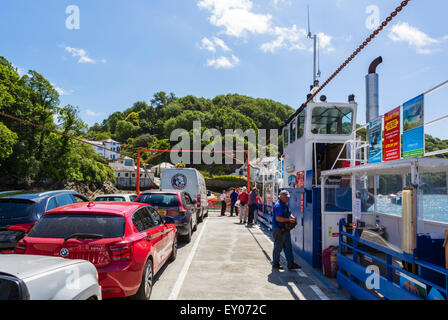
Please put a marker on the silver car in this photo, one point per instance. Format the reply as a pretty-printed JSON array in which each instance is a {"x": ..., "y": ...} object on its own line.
[
  {"x": 127, "y": 197},
  {"x": 28, "y": 277}
]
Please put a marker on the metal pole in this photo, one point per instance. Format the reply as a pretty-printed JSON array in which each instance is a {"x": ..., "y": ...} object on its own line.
[
  {"x": 315, "y": 60},
  {"x": 248, "y": 172},
  {"x": 138, "y": 173}
]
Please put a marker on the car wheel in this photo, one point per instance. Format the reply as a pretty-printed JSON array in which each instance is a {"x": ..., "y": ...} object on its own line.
[
  {"x": 187, "y": 238},
  {"x": 174, "y": 251},
  {"x": 206, "y": 214},
  {"x": 144, "y": 292},
  {"x": 201, "y": 216},
  {"x": 196, "y": 223}
]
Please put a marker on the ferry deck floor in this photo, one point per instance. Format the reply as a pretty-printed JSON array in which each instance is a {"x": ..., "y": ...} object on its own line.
[{"x": 226, "y": 260}]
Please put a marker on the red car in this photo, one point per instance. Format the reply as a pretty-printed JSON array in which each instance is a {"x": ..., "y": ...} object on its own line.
[{"x": 127, "y": 242}]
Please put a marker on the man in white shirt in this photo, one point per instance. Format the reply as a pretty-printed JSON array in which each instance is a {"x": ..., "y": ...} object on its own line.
[{"x": 223, "y": 203}]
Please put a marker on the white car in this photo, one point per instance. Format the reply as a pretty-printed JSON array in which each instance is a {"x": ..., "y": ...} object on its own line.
[
  {"x": 28, "y": 277},
  {"x": 126, "y": 197}
]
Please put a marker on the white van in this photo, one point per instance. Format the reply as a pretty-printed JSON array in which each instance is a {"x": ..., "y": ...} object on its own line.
[{"x": 189, "y": 180}]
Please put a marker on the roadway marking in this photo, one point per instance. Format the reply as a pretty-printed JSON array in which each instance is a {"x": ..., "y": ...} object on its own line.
[
  {"x": 180, "y": 280},
  {"x": 319, "y": 292},
  {"x": 301, "y": 273}
]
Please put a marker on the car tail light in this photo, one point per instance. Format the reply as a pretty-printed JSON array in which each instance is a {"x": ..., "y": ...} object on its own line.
[
  {"x": 25, "y": 227},
  {"x": 199, "y": 201},
  {"x": 20, "y": 247},
  {"x": 182, "y": 209},
  {"x": 121, "y": 251}
]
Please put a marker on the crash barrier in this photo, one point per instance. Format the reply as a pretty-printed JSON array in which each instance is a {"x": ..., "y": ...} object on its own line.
[
  {"x": 427, "y": 281},
  {"x": 265, "y": 216}
]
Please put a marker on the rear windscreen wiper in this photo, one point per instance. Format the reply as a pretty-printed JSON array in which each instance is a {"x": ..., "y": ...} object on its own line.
[{"x": 84, "y": 236}]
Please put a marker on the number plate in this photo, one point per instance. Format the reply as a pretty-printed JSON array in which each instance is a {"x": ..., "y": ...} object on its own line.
[{"x": 162, "y": 212}]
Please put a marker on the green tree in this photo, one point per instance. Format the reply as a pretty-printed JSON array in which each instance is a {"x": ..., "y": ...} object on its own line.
[{"x": 8, "y": 139}]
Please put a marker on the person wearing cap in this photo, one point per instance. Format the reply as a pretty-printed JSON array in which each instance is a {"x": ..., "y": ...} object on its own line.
[
  {"x": 244, "y": 200},
  {"x": 282, "y": 236}
]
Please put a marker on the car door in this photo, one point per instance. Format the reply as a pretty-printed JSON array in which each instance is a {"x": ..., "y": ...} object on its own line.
[
  {"x": 191, "y": 208},
  {"x": 165, "y": 241},
  {"x": 156, "y": 235},
  {"x": 146, "y": 243}
]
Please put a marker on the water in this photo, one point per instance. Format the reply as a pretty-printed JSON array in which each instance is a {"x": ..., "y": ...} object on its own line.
[{"x": 435, "y": 207}]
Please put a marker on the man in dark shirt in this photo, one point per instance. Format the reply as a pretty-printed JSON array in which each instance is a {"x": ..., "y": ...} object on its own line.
[
  {"x": 282, "y": 237},
  {"x": 233, "y": 199},
  {"x": 252, "y": 205}
]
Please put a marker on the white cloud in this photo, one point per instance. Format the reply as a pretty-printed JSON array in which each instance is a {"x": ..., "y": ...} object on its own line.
[
  {"x": 325, "y": 42},
  {"x": 20, "y": 71},
  {"x": 63, "y": 92},
  {"x": 223, "y": 62},
  {"x": 82, "y": 55},
  {"x": 220, "y": 43},
  {"x": 207, "y": 44},
  {"x": 92, "y": 113},
  {"x": 403, "y": 32},
  {"x": 291, "y": 38},
  {"x": 236, "y": 17},
  {"x": 296, "y": 39}
]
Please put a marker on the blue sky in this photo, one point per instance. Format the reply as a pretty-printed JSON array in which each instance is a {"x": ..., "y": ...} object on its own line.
[{"x": 125, "y": 51}]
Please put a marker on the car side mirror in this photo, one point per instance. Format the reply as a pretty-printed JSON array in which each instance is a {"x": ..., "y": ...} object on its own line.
[
  {"x": 13, "y": 288},
  {"x": 168, "y": 220},
  {"x": 194, "y": 201}
]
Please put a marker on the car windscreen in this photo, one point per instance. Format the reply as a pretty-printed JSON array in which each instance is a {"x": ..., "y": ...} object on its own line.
[
  {"x": 110, "y": 199},
  {"x": 159, "y": 200},
  {"x": 60, "y": 226},
  {"x": 15, "y": 208}
]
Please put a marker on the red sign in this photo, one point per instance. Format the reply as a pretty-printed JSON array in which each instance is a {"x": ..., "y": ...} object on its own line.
[
  {"x": 301, "y": 202},
  {"x": 392, "y": 141},
  {"x": 300, "y": 179}
]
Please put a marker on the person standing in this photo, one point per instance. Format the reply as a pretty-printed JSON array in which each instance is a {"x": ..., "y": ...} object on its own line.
[
  {"x": 258, "y": 202},
  {"x": 252, "y": 204},
  {"x": 244, "y": 200},
  {"x": 223, "y": 203},
  {"x": 282, "y": 236},
  {"x": 233, "y": 199}
]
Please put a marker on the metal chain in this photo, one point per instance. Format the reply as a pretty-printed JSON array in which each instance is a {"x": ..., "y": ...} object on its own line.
[{"x": 354, "y": 54}]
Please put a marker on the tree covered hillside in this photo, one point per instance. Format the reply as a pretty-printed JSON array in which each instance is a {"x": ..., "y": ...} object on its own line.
[{"x": 149, "y": 125}]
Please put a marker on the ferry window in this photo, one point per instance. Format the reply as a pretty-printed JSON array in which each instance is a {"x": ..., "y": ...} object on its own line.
[
  {"x": 285, "y": 136},
  {"x": 332, "y": 121},
  {"x": 293, "y": 127},
  {"x": 301, "y": 125}
]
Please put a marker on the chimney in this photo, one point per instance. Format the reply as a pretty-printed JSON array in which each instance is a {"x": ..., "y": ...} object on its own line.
[{"x": 372, "y": 91}]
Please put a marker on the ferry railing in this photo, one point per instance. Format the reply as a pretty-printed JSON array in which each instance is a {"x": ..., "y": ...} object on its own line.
[
  {"x": 355, "y": 146},
  {"x": 357, "y": 275},
  {"x": 265, "y": 218}
]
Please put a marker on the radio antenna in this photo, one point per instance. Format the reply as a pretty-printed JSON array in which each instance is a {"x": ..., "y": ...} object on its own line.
[
  {"x": 318, "y": 58},
  {"x": 316, "y": 73}
]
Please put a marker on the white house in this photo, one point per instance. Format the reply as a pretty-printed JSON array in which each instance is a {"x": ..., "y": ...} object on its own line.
[
  {"x": 110, "y": 144},
  {"x": 126, "y": 173}
]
